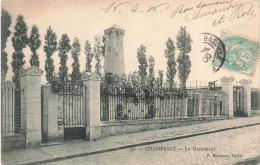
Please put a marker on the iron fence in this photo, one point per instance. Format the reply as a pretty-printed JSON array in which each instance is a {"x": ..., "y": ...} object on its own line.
[
  {"x": 7, "y": 110},
  {"x": 10, "y": 108},
  {"x": 122, "y": 102},
  {"x": 171, "y": 105},
  {"x": 131, "y": 97},
  {"x": 119, "y": 103}
]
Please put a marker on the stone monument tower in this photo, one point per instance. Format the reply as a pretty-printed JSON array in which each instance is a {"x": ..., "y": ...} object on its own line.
[{"x": 114, "y": 50}]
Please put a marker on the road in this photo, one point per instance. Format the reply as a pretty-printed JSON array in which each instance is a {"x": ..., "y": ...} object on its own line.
[{"x": 226, "y": 147}]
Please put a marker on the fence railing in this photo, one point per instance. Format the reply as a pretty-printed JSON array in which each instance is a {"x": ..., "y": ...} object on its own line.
[
  {"x": 126, "y": 102},
  {"x": 121, "y": 102},
  {"x": 169, "y": 106},
  {"x": 203, "y": 85},
  {"x": 132, "y": 104},
  {"x": 10, "y": 108},
  {"x": 7, "y": 109}
]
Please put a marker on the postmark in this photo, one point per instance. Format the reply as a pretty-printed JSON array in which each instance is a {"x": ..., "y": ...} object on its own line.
[
  {"x": 214, "y": 51},
  {"x": 242, "y": 54}
]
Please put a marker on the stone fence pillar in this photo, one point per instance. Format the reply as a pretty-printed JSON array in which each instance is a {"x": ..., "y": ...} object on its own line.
[
  {"x": 227, "y": 88},
  {"x": 92, "y": 102},
  {"x": 31, "y": 105},
  {"x": 247, "y": 96}
]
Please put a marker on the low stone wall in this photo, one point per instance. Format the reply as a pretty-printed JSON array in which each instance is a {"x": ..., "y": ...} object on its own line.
[
  {"x": 12, "y": 142},
  {"x": 112, "y": 128}
]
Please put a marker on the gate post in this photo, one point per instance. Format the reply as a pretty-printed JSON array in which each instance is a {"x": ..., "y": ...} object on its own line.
[
  {"x": 246, "y": 96},
  {"x": 51, "y": 129},
  {"x": 31, "y": 105},
  {"x": 92, "y": 102},
  {"x": 227, "y": 88}
]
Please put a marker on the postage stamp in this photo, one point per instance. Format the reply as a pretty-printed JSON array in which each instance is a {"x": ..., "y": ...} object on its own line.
[{"x": 241, "y": 53}]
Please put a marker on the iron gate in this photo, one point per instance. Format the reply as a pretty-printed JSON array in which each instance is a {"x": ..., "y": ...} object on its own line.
[
  {"x": 238, "y": 101},
  {"x": 73, "y": 108}
]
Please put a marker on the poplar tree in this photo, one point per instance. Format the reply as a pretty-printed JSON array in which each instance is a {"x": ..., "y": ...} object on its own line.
[
  {"x": 89, "y": 56},
  {"x": 75, "y": 52},
  {"x": 19, "y": 41},
  {"x": 171, "y": 64},
  {"x": 141, "y": 56},
  {"x": 34, "y": 43},
  {"x": 97, "y": 52},
  {"x": 49, "y": 48},
  {"x": 103, "y": 46},
  {"x": 160, "y": 78},
  {"x": 151, "y": 72},
  {"x": 184, "y": 64},
  {"x": 64, "y": 48},
  {"x": 5, "y": 33}
]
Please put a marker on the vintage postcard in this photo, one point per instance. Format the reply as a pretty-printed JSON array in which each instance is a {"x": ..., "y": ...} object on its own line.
[{"x": 130, "y": 82}]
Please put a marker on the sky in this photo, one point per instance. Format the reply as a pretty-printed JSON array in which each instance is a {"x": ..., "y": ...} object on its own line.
[{"x": 84, "y": 19}]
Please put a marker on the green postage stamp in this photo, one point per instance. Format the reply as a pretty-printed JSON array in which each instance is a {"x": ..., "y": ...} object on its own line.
[{"x": 241, "y": 53}]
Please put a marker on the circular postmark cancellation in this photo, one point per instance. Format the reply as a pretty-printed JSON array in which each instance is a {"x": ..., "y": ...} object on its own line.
[{"x": 214, "y": 50}]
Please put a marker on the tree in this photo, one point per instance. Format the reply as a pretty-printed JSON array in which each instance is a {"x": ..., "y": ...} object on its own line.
[
  {"x": 103, "y": 46},
  {"x": 5, "y": 33},
  {"x": 151, "y": 72},
  {"x": 75, "y": 52},
  {"x": 49, "y": 48},
  {"x": 184, "y": 64},
  {"x": 97, "y": 52},
  {"x": 89, "y": 56},
  {"x": 160, "y": 78},
  {"x": 64, "y": 48},
  {"x": 171, "y": 64},
  {"x": 34, "y": 43},
  {"x": 19, "y": 41},
  {"x": 142, "y": 62}
]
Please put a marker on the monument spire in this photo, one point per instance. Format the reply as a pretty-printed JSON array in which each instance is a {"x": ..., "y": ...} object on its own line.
[{"x": 114, "y": 50}]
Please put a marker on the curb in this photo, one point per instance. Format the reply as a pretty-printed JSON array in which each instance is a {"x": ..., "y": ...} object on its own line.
[{"x": 137, "y": 145}]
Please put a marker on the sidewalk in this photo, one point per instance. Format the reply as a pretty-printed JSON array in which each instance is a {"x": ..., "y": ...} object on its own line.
[{"x": 79, "y": 148}]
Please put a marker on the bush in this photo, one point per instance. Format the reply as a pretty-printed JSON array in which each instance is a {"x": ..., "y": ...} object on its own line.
[
  {"x": 120, "y": 113},
  {"x": 56, "y": 86},
  {"x": 151, "y": 112}
]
